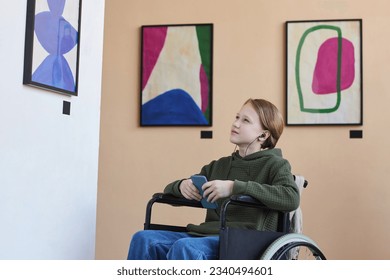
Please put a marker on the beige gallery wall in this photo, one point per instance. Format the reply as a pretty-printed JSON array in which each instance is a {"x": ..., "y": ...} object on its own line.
[{"x": 346, "y": 207}]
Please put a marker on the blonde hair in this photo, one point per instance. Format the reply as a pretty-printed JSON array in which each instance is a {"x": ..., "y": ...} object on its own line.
[{"x": 270, "y": 119}]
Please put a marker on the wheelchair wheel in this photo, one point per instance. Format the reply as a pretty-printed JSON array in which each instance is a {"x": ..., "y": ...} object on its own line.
[{"x": 293, "y": 246}]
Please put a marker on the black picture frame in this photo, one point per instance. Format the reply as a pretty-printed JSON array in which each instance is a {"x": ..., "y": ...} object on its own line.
[
  {"x": 176, "y": 75},
  {"x": 324, "y": 72},
  {"x": 52, "y": 45}
]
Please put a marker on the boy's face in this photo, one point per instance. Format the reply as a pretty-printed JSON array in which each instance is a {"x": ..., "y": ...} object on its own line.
[{"x": 246, "y": 127}]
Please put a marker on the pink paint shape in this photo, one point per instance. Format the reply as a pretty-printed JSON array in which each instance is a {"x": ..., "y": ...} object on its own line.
[
  {"x": 325, "y": 72},
  {"x": 153, "y": 41},
  {"x": 204, "y": 88}
]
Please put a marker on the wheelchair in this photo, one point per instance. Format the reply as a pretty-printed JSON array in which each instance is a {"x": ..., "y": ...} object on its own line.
[{"x": 286, "y": 243}]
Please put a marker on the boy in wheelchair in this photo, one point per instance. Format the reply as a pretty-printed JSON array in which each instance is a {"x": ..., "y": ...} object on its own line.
[{"x": 257, "y": 169}]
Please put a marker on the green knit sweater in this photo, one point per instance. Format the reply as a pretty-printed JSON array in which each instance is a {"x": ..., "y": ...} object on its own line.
[{"x": 265, "y": 175}]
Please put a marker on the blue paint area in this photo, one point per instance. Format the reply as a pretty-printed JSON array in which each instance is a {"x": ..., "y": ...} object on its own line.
[
  {"x": 57, "y": 36},
  {"x": 54, "y": 71},
  {"x": 54, "y": 33},
  {"x": 174, "y": 107}
]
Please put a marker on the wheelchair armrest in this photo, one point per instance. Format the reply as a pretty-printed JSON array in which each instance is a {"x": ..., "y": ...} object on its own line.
[
  {"x": 246, "y": 200},
  {"x": 171, "y": 200},
  {"x": 174, "y": 201}
]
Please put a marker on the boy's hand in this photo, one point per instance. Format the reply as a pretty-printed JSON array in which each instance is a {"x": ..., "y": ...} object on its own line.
[
  {"x": 217, "y": 189},
  {"x": 189, "y": 191}
]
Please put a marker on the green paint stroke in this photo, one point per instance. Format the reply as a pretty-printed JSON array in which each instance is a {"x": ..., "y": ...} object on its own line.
[
  {"x": 297, "y": 70},
  {"x": 204, "y": 40}
]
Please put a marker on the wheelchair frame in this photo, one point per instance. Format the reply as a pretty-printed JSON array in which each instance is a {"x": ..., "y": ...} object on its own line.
[{"x": 269, "y": 245}]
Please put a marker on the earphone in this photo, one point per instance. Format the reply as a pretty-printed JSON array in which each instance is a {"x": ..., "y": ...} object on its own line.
[{"x": 261, "y": 136}]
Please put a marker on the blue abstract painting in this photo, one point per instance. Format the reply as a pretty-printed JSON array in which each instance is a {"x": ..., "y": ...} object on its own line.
[
  {"x": 176, "y": 75},
  {"x": 55, "y": 44}
]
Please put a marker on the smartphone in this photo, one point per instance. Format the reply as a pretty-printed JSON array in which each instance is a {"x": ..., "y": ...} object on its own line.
[{"x": 199, "y": 181}]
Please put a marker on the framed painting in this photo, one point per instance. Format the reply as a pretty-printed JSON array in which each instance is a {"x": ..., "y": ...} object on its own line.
[
  {"x": 51, "y": 58},
  {"x": 324, "y": 72},
  {"x": 176, "y": 75}
]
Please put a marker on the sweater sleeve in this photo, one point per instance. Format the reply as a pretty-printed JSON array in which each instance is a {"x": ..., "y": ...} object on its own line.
[
  {"x": 279, "y": 192},
  {"x": 173, "y": 188}
]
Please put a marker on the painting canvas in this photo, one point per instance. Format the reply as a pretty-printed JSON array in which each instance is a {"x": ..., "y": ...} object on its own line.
[
  {"x": 324, "y": 72},
  {"x": 176, "y": 75},
  {"x": 52, "y": 45}
]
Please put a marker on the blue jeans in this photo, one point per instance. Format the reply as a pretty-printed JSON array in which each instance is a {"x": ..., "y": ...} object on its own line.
[{"x": 169, "y": 245}]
